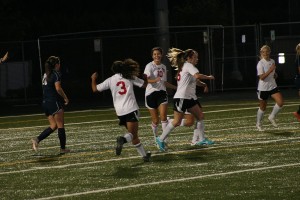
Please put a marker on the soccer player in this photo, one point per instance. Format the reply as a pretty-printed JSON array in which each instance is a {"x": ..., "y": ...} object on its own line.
[
  {"x": 53, "y": 99},
  {"x": 267, "y": 87},
  {"x": 185, "y": 98},
  {"x": 121, "y": 87},
  {"x": 156, "y": 97},
  {"x": 297, "y": 78}
]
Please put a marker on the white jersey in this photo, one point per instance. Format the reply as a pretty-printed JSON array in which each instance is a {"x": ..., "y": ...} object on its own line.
[
  {"x": 269, "y": 82},
  {"x": 153, "y": 71},
  {"x": 122, "y": 93},
  {"x": 186, "y": 82}
]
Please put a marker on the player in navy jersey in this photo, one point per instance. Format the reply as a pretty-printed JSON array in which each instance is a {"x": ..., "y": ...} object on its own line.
[
  {"x": 185, "y": 98},
  {"x": 267, "y": 87},
  {"x": 54, "y": 98},
  {"x": 121, "y": 87}
]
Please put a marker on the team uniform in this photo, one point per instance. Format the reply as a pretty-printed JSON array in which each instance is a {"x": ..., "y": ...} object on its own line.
[
  {"x": 52, "y": 101},
  {"x": 123, "y": 96},
  {"x": 268, "y": 86},
  {"x": 155, "y": 93},
  {"x": 185, "y": 96},
  {"x": 265, "y": 89}
]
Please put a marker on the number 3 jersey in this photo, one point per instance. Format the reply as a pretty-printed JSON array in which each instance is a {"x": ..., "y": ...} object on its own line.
[{"x": 122, "y": 92}]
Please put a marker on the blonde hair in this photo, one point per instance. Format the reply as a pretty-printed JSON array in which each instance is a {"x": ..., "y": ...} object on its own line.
[
  {"x": 298, "y": 49},
  {"x": 265, "y": 47},
  {"x": 176, "y": 58}
]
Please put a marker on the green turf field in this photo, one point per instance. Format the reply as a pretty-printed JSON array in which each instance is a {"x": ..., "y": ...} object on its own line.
[{"x": 243, "y": 164}]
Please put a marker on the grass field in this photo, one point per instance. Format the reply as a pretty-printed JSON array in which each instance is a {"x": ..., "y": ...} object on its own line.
[{"x": 243, "y": 164}]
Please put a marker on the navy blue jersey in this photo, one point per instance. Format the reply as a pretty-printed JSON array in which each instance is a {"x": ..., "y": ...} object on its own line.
[{"x": 49, "y": 91}]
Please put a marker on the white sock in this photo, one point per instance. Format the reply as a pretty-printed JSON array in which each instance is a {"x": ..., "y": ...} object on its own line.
[
  {"x": 128, "y": 137},
  {"x": 275, "y": 110},
  {"x": 166, "y": 131},
  {"x": 164, "y": 124},
  {"x": 181, "y": 123},
  {"x": 260, "y": 115},
  {"x": 154, "y": 129},
  {"x": 140, "y": 149},
  {"x": 200, "y": 126},
  {"x": 196, "y": 136}
]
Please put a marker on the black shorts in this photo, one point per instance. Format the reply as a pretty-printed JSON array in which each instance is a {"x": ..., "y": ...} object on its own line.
[
  {"x": 156, "y": 98},
  {"x": 51, "y": 107},
  {"x": 130, "y": 117},
  {"x": 182, "y": 105},
  {"x": 264, "y": 95}
]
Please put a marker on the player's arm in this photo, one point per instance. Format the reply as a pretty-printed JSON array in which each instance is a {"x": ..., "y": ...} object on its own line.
[
  {"x": 94, "y": 82},
  {"x": 202, "y": 84},
  {"x": 169, "y": 85},
  {"x": 262, "y": 76},
  {"x": 203, "y": 76},
  {"x": 61, "y": 92},
  {"x": 4, "y": 58}
]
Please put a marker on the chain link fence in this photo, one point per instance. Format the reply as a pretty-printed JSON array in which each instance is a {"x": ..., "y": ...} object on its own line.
[{"x": 229, "y": 53}]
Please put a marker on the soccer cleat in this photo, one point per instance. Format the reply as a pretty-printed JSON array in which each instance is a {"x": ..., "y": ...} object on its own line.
[
  {"x": 35, "y": 144},
  {"x": 120, "y": 143},
  {"x": 259, "y": 128},
  {"x": 63, "y": 151},
  {"x": 272, "y": 121},
  {"x": 297, "y": 116},
  {"x": 205, "y": 142},
  {"x": 147, "y": 157},
  {"x": 161, "y": 144}
]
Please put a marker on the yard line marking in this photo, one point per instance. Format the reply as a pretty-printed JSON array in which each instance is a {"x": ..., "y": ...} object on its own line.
[
  {"x": 133, "y": 157},
  {"x": 171, "y": 181}
]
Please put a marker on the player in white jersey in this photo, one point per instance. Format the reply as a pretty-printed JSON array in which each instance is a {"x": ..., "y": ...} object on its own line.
[
  {"x": 297, "y": 78},
  {"x": 267, "y": 87},
  {"x": 156, "y": 97},
  {"x": 185, "y": 98},
  {"x": 121, "y": 87}
]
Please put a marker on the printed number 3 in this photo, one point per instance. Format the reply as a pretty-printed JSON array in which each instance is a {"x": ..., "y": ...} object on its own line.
[{"x": 124, "y": 90}]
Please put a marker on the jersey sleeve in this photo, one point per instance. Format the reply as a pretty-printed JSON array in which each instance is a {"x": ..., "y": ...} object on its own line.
[
  {"x": 260, "y": 69},
  {"x": 104, "y": 85},
  {"x": 192, "y": 70},
  {"x": 147, "y": 70},
  {"x": 138, "y": 82}
]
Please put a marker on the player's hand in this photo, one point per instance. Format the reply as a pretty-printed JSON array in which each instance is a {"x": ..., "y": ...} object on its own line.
[
  {"x": 94, "y": 75},
  {"x": 66, "y": 101},
  {"x": 4, "y": 58},
  {"x": 211, "y": 77}
]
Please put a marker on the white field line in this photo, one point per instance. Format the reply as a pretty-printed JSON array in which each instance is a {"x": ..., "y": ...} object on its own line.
[
  {"x": 171, "y": 181},
  {"x": 141, "y": 137},
  {"x": 157, "y": 154},
  {"x": 103, "y": 121}
]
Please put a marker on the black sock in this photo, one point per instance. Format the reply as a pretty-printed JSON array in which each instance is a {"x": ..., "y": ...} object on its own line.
[
  {"x": 298, "y": 110},
  {"x": 62, "y": 137},
  {"x": 45, "y": 134}
]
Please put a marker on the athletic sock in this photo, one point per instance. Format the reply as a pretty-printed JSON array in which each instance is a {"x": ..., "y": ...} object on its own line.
[
  {"x": 260, "y": 115},
  {"x": 275, "y": 110},
  {"x": 128, "y": 137},
  {"x": 200, "y": 127},
  {"x": 196, "y": 136},
  {"x": 166, "y": 131},
  {"x": 154, "y": 129},
  {"x": 62, "y": 137},
  {"x": 164, "y": 124},
  {"x": 140, "y": 149},
  {"x": 44, "y": 134}
]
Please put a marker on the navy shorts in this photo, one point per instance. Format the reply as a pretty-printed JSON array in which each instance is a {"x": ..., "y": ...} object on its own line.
[
  {"x": 182, "y": 105},
  {"x": 130, "y": 117},
  {"x": 52, "y": 107},
  {"x": 156, "y": 98},
  {"x": 264, "y": 95}
]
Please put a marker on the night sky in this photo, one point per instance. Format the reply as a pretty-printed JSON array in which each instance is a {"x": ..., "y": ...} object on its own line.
[{"x": 30, "y": 19}]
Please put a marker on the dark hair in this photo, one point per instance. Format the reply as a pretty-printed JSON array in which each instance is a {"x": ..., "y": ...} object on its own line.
[
  {"x": 127, "y": 68},
  {"x": 156, "y": 49},
  {"x": 50, "y": 64},
  {"x": 189, "y": 53}
]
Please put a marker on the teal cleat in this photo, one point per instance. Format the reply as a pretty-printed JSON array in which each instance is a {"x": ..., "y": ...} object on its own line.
[
  {"x": 205, "y": 142},
  {"x": 161, "y": 144}
]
